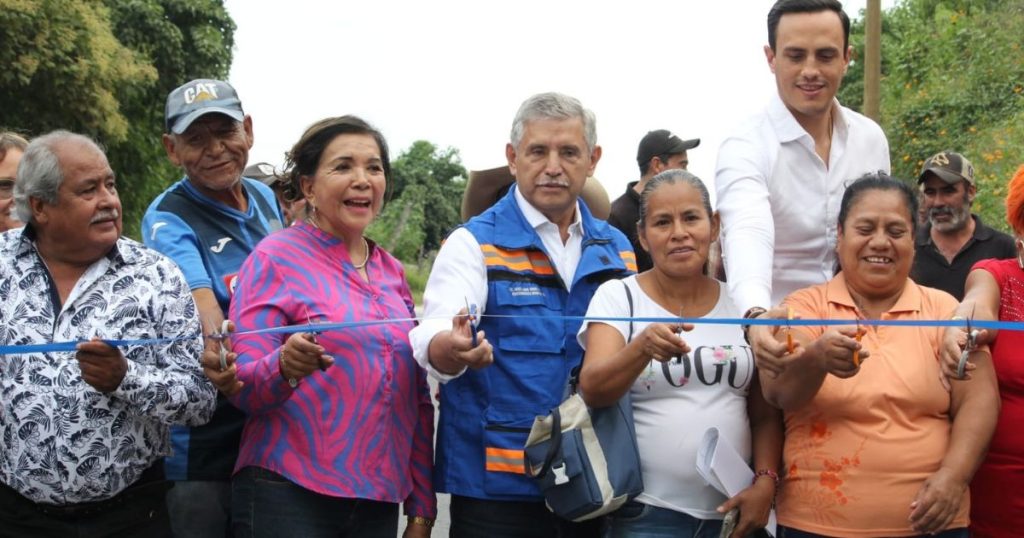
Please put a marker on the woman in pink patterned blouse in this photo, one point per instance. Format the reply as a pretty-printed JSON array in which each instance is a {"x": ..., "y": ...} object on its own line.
[{"x": 340, "y": 424}]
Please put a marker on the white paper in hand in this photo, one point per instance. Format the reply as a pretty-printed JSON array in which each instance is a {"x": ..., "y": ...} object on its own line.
[{"x": 722, "y": 467}]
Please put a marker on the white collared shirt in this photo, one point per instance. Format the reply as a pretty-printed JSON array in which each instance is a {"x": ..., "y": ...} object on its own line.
[
  {"x": 779, "y": 203},
  {"x": 460, "y": 276}
]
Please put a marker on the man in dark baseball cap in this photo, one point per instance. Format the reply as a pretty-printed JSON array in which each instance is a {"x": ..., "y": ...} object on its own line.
[
  {"x": 953, "y": 238},
  {"x": 659, "y": 150},
  {"x": 208, "y": 223}
]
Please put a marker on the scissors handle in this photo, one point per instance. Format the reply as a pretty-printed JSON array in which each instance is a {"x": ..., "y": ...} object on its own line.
[
  {"x": 789, "y": 331},
  {"x": 856, "y": 352},
  {"x": 679, "y": 332},
  {"x": 223, "y": 353},
  {"x": 473, "y": 324},
  {"x": 972, "y": 344}
]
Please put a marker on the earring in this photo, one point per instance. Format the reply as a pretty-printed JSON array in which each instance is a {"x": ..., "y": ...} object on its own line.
[{"x": 1020, "y": 247}]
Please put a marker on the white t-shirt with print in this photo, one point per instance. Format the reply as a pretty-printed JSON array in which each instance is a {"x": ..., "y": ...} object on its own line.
[{"x": 674, "y": 403}]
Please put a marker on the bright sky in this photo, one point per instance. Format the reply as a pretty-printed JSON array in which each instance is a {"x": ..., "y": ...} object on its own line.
[{"x": 454, "y": 72}]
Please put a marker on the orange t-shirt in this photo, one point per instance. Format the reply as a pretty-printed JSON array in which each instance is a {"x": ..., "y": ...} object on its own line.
[{"x": 858, "y": 453}]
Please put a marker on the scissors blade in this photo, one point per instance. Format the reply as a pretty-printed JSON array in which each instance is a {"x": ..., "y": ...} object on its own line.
[
  {"x": 223, "y": 353},
  {"x": 679, "y": 332},
  {"x": 309, "y": 322}
]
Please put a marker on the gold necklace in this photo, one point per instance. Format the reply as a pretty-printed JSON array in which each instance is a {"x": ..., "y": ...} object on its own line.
[{"x": 366, "y": 246}]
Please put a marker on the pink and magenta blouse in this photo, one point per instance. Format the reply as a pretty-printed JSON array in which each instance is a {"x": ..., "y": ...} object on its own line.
[{"x": 364, "y": 427}]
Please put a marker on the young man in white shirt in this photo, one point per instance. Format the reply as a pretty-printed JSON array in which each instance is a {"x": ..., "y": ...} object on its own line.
[{"x": 780, "y": 177}]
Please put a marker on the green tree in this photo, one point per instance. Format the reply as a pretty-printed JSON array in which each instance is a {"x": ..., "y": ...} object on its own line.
[
  {"x": 104, "y": 68},
  {"x": 427, "y": 185},
  {"x": 952, "y": 78}
]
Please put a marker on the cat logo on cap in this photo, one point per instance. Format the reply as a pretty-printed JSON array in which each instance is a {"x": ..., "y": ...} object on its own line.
[{"x": 202, "y": 91}]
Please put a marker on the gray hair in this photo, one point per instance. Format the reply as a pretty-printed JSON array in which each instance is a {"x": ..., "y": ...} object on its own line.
[
  {"x": 670, "y": 177},
  {"x": 557, "y": 106},
  {"x": 39, "y": 172},
  {"x": 10, "y": 140}
]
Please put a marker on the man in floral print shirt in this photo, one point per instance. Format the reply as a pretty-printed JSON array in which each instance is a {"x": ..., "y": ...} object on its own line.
[{"x": 83, "y": 433}]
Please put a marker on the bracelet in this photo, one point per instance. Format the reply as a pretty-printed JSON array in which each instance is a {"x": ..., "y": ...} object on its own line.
[
  {"x": 420, "y": 520},
  {"x": 753, "y": 312},
  {"x": 292, "y": 382},
  {"x": 769, "y": 473}
]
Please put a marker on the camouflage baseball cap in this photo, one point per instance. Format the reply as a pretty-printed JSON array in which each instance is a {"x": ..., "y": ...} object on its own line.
[{"x": 949, "y": 166}]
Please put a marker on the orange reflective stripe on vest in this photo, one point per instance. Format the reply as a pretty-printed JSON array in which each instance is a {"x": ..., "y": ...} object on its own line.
[
  {"x": 629, "y": 259},
  {"x": 520, "y": 260},
  {"x": 505, "y": 460}
]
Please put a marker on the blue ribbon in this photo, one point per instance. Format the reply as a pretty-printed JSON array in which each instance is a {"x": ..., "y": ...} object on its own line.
[{"x": 322, "y": 327}]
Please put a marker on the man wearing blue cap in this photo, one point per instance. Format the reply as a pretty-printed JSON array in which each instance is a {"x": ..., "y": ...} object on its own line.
[{"x": 208, "y": 223}]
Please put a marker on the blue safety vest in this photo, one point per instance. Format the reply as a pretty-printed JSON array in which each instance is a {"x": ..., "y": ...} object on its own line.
[{"x": 486, "y": 414}]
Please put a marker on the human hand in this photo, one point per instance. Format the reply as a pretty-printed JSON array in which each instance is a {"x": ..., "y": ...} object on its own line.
[
  {"x": 755, "y": 505},
  {"x": 461, "y": 347},
  {"x": 952, "y": 348},
  {"x": 103, "y": 366},
  {"x": 301, "y": 355},
  {"x": 837, "y": 349},
  {"x": 661, "y": 341},
  {"x": 770, "y": 355},
  {"x": 225, "y": 379},
  {"x": 937, "y": 502}
]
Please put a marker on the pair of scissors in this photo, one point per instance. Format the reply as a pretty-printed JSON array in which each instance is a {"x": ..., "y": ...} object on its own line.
[
  {"x": 789, "y": 331},
  {"x": 972, "y": 344},
  {"x": 679, "y": 333},
  {"x": 857, "y": 337},
  {"x": 221, "y": 336},
  {"x": 474, "y": 320},
  {"x": 313, "y": 334}
]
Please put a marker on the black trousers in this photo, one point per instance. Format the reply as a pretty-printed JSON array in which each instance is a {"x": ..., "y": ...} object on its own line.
[
  {"x": 138, "y": 511},
  {"x": 479, "y": 518}
]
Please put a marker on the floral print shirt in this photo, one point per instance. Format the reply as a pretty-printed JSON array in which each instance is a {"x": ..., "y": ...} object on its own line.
[{"x": 61, "y": 440}]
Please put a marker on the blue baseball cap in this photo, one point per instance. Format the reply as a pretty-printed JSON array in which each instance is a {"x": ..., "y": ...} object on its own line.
[{"x": 199, "y": 97}]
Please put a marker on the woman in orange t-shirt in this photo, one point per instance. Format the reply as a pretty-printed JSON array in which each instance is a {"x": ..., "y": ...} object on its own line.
[{"x": 877, "y": 446}]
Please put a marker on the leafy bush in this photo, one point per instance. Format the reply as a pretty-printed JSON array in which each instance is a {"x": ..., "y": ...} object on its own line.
[{"x": 952, "y": 78}]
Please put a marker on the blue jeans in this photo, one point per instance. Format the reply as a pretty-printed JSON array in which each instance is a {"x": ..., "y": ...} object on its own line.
[
  {"x": 266, "y": 504},
  {"x": 200, "y": 508},
  {"x": 789, "y": 532},
  {"x": 638, "y": 520},
  {"x": 479, "y": 518}
]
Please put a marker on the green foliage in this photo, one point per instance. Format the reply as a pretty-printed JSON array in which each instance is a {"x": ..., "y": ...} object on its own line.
[
  {"x": 952, "y": 78},
  {"x": 104, "y": 68},
  {"x": 416, "y": 275},
  {"x": 427, "y": 185},
  {"x": 399, "y": 229}
]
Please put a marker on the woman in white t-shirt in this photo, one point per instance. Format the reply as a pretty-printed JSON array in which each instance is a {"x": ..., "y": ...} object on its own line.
[{"x": 680, "y": 388}]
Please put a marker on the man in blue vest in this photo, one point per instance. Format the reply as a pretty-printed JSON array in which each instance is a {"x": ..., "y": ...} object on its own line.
[{"x": 533, "y": 258}]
